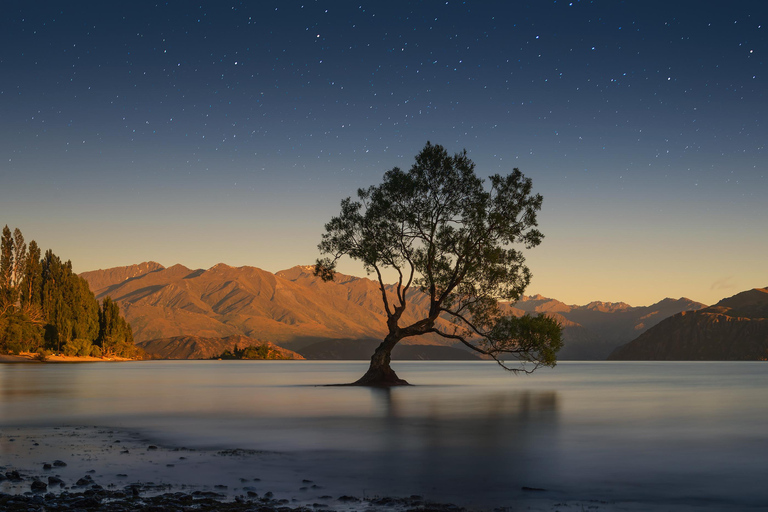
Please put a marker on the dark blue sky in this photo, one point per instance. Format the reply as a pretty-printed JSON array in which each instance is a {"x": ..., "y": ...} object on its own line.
[{"x": 200, "y": 132}]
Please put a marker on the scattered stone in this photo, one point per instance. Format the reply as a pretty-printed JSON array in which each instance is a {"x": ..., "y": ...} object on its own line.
[
  {"x": 54, "y": 480},
  {"x": 525, "y": 488},
  {"x": 348, "y": 499},
  {"x": 100, "y": 500},
  {"x": 47, "y": 466},
  {"x": 38, "y": 486},
  {"x": 151, "y": 447},
  {"x": 207, "y": 494},
  {"x": 86, "y": 480},
  {"x": 59, "y": 463},
  {"x": 237, "y": 452},
  {"x": 13, "y": 476}
]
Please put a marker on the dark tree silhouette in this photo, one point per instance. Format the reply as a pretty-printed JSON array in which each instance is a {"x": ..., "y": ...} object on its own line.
[{"x": 440, "y": 230}]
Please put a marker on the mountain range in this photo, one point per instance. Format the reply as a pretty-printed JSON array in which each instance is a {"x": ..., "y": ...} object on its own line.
[
  {"x": 734, "y": 329},
  {"x": 294, "y": 309}
]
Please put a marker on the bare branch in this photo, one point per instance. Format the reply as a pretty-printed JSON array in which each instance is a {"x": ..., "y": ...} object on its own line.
[
  {"x": 383, "y": 291},
  {"x": 494, "y": 354}
]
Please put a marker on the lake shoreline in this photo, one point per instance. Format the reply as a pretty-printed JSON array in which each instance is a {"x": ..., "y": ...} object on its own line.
[
  {"x": 617, "y": 436},
  {"x": 90, "y": 468},
  {"x": 32, "y": 357}
]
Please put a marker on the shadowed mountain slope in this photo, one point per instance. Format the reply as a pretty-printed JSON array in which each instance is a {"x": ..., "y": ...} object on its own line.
[
  {"x": 734, "y": 329},
  {"x": 593, "y": 331},
  {"x": 362, "y": 350},
  {"x": 194, "y": 347}
]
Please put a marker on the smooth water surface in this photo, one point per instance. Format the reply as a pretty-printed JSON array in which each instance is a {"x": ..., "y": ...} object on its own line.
[{"x": 467, "y": 432}]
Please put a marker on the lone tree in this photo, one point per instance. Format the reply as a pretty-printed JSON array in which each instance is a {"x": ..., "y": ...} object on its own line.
[{"x": 440, "y": 230}]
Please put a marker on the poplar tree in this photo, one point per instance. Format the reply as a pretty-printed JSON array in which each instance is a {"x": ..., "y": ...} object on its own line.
[{"x": 6, "y": 270}]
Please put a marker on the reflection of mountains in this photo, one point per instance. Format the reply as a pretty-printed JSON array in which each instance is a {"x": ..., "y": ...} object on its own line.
[{"x": 294, "y": 309}]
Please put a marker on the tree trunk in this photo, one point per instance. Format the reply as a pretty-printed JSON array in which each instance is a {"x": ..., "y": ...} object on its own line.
[{"x": 380, "y": 373}]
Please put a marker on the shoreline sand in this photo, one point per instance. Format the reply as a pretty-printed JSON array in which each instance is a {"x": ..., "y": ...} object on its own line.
[{"x": 31, "y": 357}]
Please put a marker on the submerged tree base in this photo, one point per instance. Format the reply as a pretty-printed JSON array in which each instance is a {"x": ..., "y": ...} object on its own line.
[
  {"x": 378, "y": 378},
  {"x": 380, "y": 375},
  {"x": 380, "y": 383}
]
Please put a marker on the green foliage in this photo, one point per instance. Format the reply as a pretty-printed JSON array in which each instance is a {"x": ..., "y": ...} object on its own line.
[
  {"x": 18, "y": 334},
  {"x": 41, "y": 354},
  {"x": 67, "y": 303},
  {"x": 6, "y": 270},
  {"x": 115, "y": 334},
  {"x": 440, "y": 229},
  {"x": 96, "y": 351},
  {"x": 252, "y": 352},
  {"x": 78, "y": 347}
]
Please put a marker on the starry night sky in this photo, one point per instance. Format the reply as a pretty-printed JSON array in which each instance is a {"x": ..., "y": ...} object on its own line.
[{"x": 205, "y": 132}]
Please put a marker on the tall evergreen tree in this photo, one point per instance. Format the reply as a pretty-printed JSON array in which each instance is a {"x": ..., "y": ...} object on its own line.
[
  {"x": 6, "y": 270},
  {"x": 19, "y": 257},
  {"x": 115, "y": 334},
  {"x": 32, "y": 284}
]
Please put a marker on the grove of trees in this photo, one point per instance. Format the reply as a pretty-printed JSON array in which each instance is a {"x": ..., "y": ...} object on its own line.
[{"x": 44, "y": 306}]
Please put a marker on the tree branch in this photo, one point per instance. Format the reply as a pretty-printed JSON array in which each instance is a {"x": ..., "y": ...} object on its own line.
[
  {"x": 491, "y": 353},
  {"x": 383, "y": 291}
]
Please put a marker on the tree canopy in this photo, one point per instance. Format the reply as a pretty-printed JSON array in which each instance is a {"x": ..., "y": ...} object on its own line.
[{"x": 442, "y": 231}]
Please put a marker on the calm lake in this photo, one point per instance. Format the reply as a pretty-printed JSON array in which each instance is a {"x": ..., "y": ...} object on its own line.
[{"x": 467, "y": 432}]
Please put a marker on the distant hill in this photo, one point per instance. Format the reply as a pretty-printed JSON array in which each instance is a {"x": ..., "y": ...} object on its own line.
[
  {"x": 294, "y": 309},
  {"x": 194, "y": 347},
  {"x": 362, "y": 350},
  {"x": 734, "y": 329},
  {"x": 593, "y": 331},
  {"x": 103, "y": 281}
]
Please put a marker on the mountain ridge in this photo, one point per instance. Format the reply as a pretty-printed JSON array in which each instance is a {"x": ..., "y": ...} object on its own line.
[
  {"x": 293, "y": 308},
  {"x": 734, "y": 329}
]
